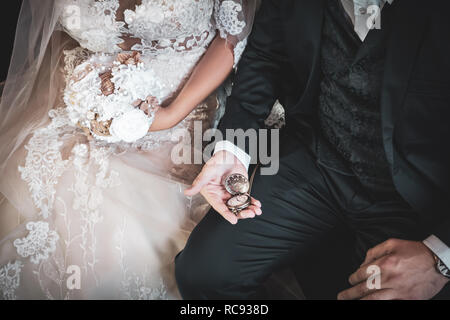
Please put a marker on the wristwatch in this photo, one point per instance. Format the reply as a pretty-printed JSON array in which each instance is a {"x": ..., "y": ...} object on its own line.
[{"x": 441, "y": 267}]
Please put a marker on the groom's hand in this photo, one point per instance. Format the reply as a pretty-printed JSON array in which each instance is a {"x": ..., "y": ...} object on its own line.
[
  {"x": 210, "y": 183},
  {"x": 407, "y": 272}
]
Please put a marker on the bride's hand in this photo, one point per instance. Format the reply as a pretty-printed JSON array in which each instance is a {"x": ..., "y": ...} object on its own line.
[
  {"x": 149, "y": 105},
  {"x": 209, "y": 184}
]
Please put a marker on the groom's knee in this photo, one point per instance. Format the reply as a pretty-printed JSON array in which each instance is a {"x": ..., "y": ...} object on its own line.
[
  {"x": 205, "y": 268},
  {"x": 199, "y": 278}
]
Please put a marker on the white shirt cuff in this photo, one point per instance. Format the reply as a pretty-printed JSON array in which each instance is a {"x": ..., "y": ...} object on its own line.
[
  {"x": 440, "y": 249},
  {"x": 242, "y": 156}
]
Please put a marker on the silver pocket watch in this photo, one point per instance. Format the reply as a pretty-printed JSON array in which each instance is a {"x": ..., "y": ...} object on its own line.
[{"x": 238, "y": 186}]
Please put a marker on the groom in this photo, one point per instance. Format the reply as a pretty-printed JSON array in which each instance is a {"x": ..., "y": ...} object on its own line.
[{"x": 365, "y": 152}]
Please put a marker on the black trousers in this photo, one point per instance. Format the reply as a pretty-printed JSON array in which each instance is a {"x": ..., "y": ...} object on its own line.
[{"x": 305, "y": 207}]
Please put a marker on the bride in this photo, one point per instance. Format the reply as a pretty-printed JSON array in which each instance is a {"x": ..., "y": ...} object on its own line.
[{"x": 91, "y": 204}]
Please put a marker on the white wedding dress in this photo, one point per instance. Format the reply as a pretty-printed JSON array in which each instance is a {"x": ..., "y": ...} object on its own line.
[{"x": 85, "y": 219}]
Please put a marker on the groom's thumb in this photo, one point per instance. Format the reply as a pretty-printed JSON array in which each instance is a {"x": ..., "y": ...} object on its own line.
[{"x": 197, "y": 186}]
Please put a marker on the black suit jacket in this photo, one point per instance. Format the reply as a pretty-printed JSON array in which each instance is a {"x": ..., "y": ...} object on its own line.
[{"x": 282, "y": 61}]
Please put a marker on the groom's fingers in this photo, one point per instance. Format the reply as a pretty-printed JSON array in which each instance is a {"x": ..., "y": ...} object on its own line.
[
  {"x": 256, "y": 203},
  {"x": 250, "y": 212},
  {"x": 380, "y": 250},
  {"x": 223, "y": 210}
]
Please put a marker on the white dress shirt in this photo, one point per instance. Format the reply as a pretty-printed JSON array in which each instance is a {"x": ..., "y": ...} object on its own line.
[{"x": 358, "y": 13}]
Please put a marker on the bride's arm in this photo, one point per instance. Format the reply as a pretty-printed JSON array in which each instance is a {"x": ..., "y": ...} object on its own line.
[{"x": 208, "y": 75}]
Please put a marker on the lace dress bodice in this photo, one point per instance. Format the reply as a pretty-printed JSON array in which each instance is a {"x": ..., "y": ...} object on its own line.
[
  {"x": 157, "y": 26},
  {"x": 171, "y": 35}
]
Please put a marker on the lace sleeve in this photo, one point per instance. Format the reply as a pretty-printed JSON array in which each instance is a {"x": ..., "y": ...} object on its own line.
[{"x": 234, "y": 19}]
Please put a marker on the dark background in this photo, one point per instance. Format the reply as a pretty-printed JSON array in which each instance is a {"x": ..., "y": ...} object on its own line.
[{"x": 8, "y": 22}]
